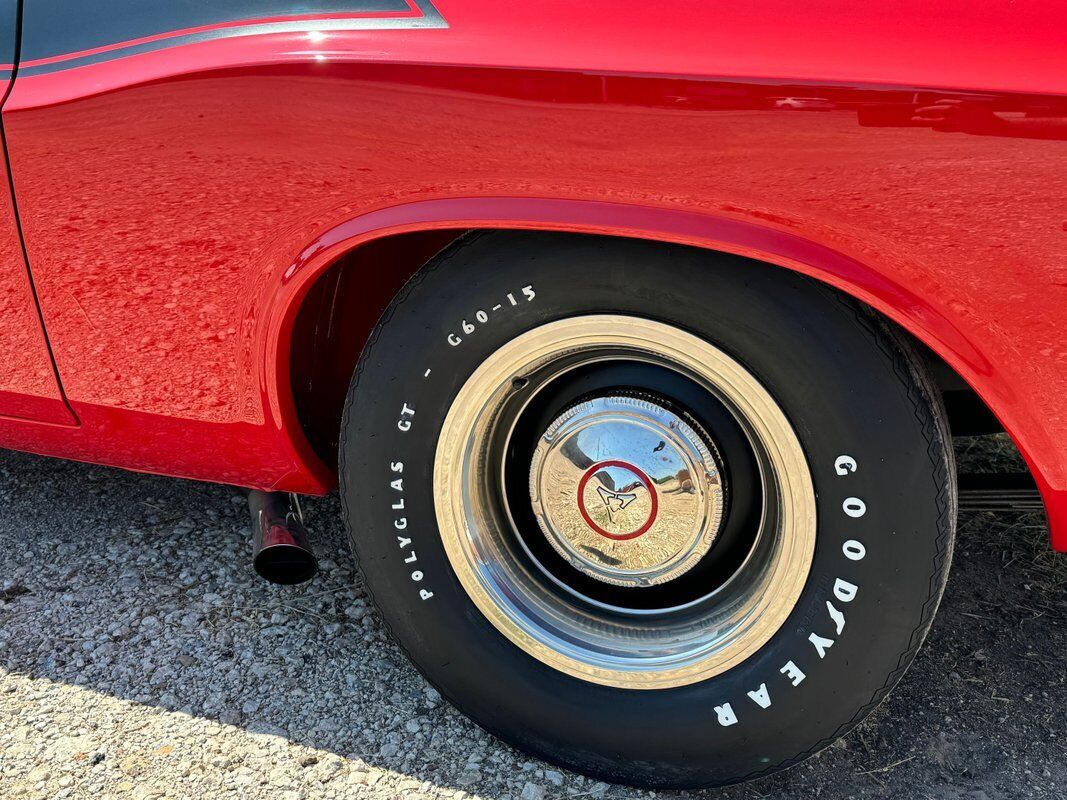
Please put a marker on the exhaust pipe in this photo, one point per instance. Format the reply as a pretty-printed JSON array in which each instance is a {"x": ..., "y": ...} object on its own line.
[{"x": 280, "y": 550}]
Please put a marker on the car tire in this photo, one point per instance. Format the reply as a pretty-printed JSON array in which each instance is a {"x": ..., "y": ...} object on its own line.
[{"x": 789, "y": 536}]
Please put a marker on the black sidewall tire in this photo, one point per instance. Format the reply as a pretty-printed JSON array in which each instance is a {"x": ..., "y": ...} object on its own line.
[{"x": 848, "y": 387}]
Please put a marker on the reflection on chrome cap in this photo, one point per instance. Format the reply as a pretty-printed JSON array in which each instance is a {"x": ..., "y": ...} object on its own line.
[{"x": 627, "y": 491}]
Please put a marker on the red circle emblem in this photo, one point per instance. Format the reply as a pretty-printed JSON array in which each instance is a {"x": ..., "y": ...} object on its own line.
[{"x": 641, "y": 476}]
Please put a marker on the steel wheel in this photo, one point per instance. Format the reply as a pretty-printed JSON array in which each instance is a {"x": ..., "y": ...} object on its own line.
[{"x": 626, "y": 487}]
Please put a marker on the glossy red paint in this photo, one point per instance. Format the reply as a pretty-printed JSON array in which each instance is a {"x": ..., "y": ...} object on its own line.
[
  {"x": 28, "y": 386},
  {"x": 29, "y": 389},
  {"x": 204, "y": 187}
]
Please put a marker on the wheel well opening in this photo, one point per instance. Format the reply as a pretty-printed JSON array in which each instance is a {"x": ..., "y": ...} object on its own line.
[
  {"x": 968, "y": 415},
  {"x": 991, "y": 472},
  {"x": 340, "y": 310},
  {"x": 335, "y": 319}
]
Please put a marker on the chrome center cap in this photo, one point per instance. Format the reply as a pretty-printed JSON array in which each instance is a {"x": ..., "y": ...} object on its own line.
[{"x": 627, "y": 491}]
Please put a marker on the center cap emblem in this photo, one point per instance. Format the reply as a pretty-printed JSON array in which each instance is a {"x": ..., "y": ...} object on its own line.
[{"x": 617, "y": 500}]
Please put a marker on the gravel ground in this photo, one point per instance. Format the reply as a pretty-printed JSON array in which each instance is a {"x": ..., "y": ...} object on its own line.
[{"x": 140, "y": 657}]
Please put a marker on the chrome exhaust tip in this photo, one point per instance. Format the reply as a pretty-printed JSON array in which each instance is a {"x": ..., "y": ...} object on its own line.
[{"x": 280, "y": 550}]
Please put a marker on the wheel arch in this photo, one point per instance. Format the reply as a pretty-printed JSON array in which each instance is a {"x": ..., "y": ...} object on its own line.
[{"x": 340, "y": 275}]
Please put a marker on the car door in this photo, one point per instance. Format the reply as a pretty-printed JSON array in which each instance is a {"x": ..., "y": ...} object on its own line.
[{"x": 29, "y": 388}]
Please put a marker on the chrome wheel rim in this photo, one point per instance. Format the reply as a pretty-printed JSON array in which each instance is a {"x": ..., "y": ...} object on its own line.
[{"x": 548, "y": 617}]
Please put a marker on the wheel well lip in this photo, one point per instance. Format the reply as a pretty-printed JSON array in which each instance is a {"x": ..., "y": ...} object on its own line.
[{"x": 717, "y": 231}]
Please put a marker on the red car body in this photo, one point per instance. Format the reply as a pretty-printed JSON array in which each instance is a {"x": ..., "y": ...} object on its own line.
[{"x": 185, "y": 195}]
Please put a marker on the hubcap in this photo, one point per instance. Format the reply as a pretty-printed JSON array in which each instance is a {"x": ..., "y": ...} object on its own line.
[{"x": 627, "y": 491}]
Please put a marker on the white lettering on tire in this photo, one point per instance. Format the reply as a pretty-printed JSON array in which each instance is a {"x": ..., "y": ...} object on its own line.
[
  {"x": 725, "y": 714},
  {"x": 793, "y": 672},
  {"x": 761, "y": 696},
  {"x": 854, "y": 507},
  {"x": 845, "y": 591},
  {"x": 845, "y": 465},
  {"x": 403, "y": 541},
  {"x": 480, "y": 317},
  {"x": 822, "y": 644},
  {"x": 836, "y": 616},
  {"x": 853, "y": 550}
]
